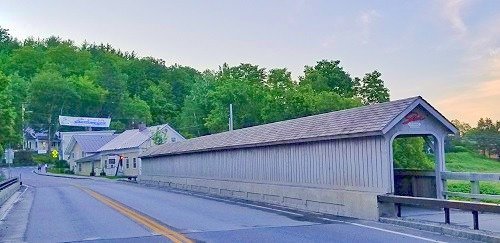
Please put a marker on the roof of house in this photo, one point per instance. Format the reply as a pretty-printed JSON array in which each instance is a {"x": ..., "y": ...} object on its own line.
[
  {"x": 91, "y": 143},
  {"x": 133, "y": 138},
  {"x": 30, "y": 133},
  {"x": 94, "y": 157},
  {"x": 369, "y": 120}
]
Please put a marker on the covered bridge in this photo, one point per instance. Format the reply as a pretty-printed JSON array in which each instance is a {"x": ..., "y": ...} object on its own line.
[{"x": 336, "y": 162}]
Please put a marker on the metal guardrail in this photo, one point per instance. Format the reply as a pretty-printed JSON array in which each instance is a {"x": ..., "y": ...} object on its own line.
[
  {"x": 6, "y": 183},
  {"x": 474, "y": 207},
  {"x": 474, "y": 179}
]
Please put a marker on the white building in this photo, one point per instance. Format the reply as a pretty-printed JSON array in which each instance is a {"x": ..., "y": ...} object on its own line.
[{"x": 121, "y": 155}]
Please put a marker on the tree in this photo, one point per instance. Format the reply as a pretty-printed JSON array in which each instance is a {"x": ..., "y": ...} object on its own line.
[
  {"x": 133, "y": 110},
  {"x": 463, "y": 127},
  {"x": 7, "y": 114},
  {"x": 159, "y": 99},
  {"x": 371, "y": 88},
  {"x": 196, "y": 107},
  {"x": 241, "y": 86},
  {"x": 328, "y": 76},
  {"x": 50, "y": 95},
  {"x": 91, "y": 96},
  {"x": 25, "y": 61},
  {"x": 409, "y": 154},
  {"x": 486, "y": 136}
]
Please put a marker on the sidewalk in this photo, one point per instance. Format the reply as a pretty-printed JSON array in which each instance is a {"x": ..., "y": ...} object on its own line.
[
  {"x": 487, "y": 221},
  {"x": 97, "y": 178}
]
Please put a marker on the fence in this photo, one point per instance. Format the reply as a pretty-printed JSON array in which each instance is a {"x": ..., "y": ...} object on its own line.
[
  {"x": 474, "y": 207},
  {"x": 474, "y": 179}
]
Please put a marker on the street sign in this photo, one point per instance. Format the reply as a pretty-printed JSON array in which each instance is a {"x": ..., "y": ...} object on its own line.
[
  {"x": 54, "y": 154},
  {"x": 9, "y": 156}
]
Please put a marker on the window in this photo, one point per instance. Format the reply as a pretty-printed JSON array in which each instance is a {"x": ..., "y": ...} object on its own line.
[
  {"x": 111, "y": 161},
  {"x": 80, "y": 167},
  {"x": 73, "y": 155},
  {"x": 127, "y": 164},
  {"x": 135, "y": 162},
  {"x": 83, "y": 154}
]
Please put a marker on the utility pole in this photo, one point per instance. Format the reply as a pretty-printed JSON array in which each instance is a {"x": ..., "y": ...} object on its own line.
[
  {"x": 230, "y": 117},
  {"x": 22, "y": 125}
]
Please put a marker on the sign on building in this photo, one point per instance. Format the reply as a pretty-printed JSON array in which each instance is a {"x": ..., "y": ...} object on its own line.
[{"x": 84, "y": 121}]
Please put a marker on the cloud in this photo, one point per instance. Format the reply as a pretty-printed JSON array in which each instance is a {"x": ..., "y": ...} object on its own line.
[
  {"x": 452, "y": 12},
  {"x": 366, "y": 19}
]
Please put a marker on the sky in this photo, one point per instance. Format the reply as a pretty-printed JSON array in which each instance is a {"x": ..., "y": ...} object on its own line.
[{"x": 447, "y": 51}]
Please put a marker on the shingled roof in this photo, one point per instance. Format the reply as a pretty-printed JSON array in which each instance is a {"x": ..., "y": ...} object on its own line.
[
  {"x": 360, "y": 121},
  {"x": 90, "y": 143}
]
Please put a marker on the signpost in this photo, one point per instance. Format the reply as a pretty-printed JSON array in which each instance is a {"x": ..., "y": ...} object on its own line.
[{"x": 9, "y": 157}]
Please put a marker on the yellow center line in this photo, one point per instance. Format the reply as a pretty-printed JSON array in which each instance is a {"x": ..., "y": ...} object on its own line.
[{"x": 149, "y": 222}]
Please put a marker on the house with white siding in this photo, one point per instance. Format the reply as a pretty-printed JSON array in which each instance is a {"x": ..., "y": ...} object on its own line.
[
  {"x": 121, "y": 155},
  {"x": 81, "y": 146}
]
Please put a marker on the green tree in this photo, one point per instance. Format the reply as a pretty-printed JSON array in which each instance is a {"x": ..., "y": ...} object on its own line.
[
  {"x": 241, "y": 86},
  {"x": 159, "y": 99},
  {"x": 409, "y": 154},
  {"x": 7, "y": 114},
  {"x": 371, "y": 88},
  {"x": 50, "y": 95},
  {"x": 196, "y": 107},
  {"x": 328, "y": 75},
  {"x": 133, "y": 110},
  {"x": 91, "y": 96},
  {"x": 25, "y": 61},
  {"x": 486, "y": 136}
]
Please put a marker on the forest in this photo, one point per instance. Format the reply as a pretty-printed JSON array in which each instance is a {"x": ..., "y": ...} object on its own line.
[
  {"x": 41, "y": 79},
  {"x": 51, "y": 77}
]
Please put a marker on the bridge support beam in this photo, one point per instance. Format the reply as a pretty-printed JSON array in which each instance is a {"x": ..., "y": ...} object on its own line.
[{"x": 440, "y": 165}]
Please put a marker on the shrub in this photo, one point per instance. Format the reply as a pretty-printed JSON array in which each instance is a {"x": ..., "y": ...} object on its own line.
[
  {"x": 42, "y": 159},
  {"x": 23, "y": 157},
  {"x": 458, "y": 149},
  {"x": 61, "y": 164}
]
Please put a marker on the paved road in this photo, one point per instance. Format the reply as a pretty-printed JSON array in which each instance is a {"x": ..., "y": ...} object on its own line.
[{"x": 55, "y": 209}]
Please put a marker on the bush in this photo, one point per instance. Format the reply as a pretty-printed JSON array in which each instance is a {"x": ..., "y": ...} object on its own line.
[
  {"x": 23, "y": 157},
  {"x": 61, "y": 164},
  {"x": 490, "y": 188},
  {"x": 42, "y": 159},
  {"x": 458, "y": 149}
]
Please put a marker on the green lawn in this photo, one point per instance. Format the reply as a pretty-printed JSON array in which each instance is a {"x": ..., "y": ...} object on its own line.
[{"x": 471, "y": 162}]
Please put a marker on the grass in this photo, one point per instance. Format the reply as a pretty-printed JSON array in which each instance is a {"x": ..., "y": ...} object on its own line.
[
  {"x": 472, "y": 162},
  {"x": 56, "y": 170}
]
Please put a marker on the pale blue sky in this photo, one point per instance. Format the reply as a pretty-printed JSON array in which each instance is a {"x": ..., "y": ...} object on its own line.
[{"x": 447, "y": 51}]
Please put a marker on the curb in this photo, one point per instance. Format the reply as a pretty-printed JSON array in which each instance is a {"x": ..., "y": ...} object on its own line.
[
  {"x": 62, "y": 176},
  {"x": 466, "y": 233}
]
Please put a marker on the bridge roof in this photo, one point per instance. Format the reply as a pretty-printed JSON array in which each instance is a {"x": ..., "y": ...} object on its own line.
[{"x": 371, "y": 120}]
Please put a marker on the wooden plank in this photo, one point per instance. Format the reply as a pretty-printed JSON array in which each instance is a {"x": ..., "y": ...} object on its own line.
[
  {"x": 468, "y": 176},
  {"x": 472, "y": 195},
  {"x": 439, "y": 203}
]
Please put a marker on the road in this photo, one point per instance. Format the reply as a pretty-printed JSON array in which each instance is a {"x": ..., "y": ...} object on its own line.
[{"x": 52, "y": 209}]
